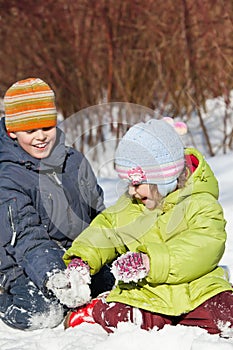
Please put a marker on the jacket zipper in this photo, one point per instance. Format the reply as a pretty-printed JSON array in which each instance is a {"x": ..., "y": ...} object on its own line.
[
  {"x": 13, "y": 239},
  {"x": 56, "y": 178}
]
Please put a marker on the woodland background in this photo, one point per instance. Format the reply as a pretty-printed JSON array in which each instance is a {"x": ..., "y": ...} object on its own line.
[{"x": 170, "y": 56}]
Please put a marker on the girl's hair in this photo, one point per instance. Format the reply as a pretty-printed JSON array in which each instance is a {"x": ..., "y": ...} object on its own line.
[{"x": 183, "y": 177}]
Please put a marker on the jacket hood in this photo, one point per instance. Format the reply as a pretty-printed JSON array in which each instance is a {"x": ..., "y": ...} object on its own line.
[
  {"x": 10, "y": 151},
  {"x": 201, "y": 180}
]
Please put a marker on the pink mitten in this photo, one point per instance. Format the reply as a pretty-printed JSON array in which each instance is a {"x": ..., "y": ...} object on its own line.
[
  {"x": 71, "y": 286},
  {"x": 131, "y": 267},
  {"x": 77, "y": 265}
]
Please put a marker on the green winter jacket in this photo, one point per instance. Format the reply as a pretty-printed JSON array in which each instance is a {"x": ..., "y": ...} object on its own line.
[{"x": 184, "y": 240}]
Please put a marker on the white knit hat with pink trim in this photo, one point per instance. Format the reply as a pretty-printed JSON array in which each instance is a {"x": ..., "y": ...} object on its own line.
[{"x": 153, "y": 153}]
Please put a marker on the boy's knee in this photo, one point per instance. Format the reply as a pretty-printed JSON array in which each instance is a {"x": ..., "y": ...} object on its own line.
[
  {"x": 20, "y": 318},
  {"x": 26, "y": 307},
  {"x": 52, "y": 317}
]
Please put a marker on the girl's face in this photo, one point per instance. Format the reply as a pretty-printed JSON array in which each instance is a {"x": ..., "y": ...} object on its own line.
[
  {"x": 147, "y": 194},
  {"x": 38, "y": 142}
]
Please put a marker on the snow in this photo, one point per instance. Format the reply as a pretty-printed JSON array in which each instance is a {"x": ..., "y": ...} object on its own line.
[{"x": 128, "y": 336}]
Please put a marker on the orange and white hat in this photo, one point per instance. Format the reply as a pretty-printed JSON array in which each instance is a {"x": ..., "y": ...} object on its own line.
[{"x": 29, "y": 104}]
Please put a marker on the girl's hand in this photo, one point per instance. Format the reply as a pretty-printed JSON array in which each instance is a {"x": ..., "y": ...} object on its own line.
[
  {"x": 131, "y": 267},
  {"x": 71, "y": 286}
]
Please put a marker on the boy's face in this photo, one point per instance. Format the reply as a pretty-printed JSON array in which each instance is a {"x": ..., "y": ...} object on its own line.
[{"x": 38, "y": 142}]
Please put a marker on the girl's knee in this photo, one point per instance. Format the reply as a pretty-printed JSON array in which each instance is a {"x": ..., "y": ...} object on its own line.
[
  {"x": 214, "y": 315},
  {"x": 108, "y": 315}
]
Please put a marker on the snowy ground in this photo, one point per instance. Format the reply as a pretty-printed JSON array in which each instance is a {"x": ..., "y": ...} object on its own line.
[{"x": 127, "y": 336}]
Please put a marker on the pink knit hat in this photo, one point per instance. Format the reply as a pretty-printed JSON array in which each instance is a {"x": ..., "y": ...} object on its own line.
[{"x": 153, "y": 153}]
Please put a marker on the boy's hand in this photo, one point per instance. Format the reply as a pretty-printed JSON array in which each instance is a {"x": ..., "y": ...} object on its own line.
[{"x": 131, "y": 267}]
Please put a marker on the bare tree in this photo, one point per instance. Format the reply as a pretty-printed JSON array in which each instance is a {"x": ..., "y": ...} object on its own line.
[{"x": 170, "y": 56}]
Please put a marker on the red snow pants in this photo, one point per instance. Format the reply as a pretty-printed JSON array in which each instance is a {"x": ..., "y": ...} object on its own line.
[{"x": 210, "y": 315}]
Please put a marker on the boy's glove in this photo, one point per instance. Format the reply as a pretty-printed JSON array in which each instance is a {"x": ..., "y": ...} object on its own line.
[
  {"x": 71, "y": 285},
  {"x": 131, "y": 267}
]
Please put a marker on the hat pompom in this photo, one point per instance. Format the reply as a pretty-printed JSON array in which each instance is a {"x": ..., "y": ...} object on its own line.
[{"x": 180, "y": 127}]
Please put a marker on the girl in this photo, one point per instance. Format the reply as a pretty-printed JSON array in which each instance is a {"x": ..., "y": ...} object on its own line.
[{"x": 165, "y": 238}]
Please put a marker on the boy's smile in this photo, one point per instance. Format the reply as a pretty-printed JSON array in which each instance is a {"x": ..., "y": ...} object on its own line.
[{"x": 38, "y": 142}]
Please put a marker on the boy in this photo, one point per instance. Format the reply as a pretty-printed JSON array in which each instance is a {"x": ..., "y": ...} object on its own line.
[{"x": 49, "y": 194}]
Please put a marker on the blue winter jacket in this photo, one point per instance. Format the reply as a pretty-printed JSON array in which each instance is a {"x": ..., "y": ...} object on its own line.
[{"x": 44, "y": 205}]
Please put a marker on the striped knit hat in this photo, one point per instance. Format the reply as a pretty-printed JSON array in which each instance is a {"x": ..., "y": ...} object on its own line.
[
  {"x": 29, "y": 104},
  {"x": 153, "y": 153}
]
